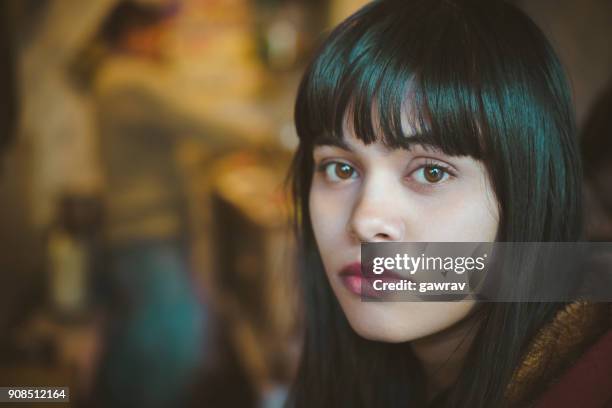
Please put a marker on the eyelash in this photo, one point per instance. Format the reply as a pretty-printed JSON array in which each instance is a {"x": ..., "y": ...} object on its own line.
[
  {"x": 429, "y": 164},
  {"x": 324, "y": 167}
]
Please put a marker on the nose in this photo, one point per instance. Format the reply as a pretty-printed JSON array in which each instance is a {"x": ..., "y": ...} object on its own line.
[{"x": 374, "y": 218}]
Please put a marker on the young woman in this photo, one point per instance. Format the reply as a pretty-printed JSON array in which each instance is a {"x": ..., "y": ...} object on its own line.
[{"x": 433, "y": 120}]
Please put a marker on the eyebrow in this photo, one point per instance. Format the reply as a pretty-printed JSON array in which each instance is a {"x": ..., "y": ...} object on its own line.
[{"x": 418, "y": 139}]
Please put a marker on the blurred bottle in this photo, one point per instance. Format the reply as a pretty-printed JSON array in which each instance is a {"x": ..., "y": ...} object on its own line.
[{"x": 71, "y": 248}]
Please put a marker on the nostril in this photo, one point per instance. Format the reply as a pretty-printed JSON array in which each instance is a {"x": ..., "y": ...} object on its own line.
[
  {"x": 382, "y": 237},
  {"x": 373, "y": 224}
]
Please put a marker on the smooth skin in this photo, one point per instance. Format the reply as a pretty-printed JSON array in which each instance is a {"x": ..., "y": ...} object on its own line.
[{"x": 369, "y": 193}]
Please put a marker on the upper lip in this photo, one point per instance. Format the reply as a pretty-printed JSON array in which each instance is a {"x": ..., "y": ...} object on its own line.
[
  {"x": 355, "y": 269},
  {"x": 351, "y": 269}
]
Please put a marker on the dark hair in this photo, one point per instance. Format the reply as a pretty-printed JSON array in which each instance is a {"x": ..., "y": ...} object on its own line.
[{"x": 482, "y": 80}]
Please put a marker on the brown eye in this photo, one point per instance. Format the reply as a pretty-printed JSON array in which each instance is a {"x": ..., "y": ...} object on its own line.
[
  {"x": 431, "y": 174},
  {"x": 337, "y": 171},
  {"x": 344, "y": 171}
]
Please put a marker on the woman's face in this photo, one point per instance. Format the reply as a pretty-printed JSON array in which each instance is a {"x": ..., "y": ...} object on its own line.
[{"x": 370, "y": 193}]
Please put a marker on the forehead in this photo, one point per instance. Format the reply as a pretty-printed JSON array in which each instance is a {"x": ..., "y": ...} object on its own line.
[
  {"x": 397, "y": 123},
  {"x": 411, "y": 130},
  {"x": 351, "y": 141}
]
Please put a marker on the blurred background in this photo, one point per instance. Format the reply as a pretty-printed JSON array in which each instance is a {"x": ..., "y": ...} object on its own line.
[{"x": 146, "y": 256}]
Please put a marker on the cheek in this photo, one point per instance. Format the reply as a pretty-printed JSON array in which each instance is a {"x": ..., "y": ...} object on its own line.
[
  {"x": 466, "y": 214},
  {"x": 467, "y": 221},
  {"x": 329, "y": 212}
]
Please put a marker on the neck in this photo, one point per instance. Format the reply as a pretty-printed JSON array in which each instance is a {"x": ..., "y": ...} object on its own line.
[{"x": 442, "y": 354}]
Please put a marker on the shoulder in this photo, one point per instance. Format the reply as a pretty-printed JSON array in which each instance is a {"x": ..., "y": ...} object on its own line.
[
  {"x": 587, "y": 383},
  {"x": 577, "y": 341}
]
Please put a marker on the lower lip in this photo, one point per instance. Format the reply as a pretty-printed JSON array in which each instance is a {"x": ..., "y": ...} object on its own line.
[
  {"x": 352, "y": 283},
  {"x": 357, "y": 285}
]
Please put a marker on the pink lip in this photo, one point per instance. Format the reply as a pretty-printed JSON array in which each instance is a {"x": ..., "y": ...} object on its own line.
[{"x": 361, "y": 284}]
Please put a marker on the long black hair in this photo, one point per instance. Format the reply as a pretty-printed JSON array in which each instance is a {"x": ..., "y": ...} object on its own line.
[{"x": 481, "y": 80}]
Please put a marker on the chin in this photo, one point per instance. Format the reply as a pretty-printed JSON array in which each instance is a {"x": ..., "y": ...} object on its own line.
[
  {"x": 376, "y": 321},
  {"x": 398, "y": 322}
]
